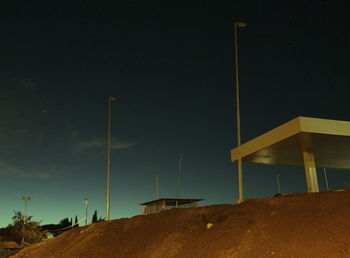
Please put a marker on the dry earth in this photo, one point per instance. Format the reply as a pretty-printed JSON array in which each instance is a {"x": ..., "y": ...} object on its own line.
[{"x": 298, "y": 225}]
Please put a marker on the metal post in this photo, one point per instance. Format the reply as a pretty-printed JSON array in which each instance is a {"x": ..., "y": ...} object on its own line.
[
  {"x": 25, "y": 199},
  {"x": 325, "y": 178},
  {"x": 86, "y": 210},
  {"x": 278, "y": 183},
  {"x": 239, "y": 163},
  {"x": 179, "y": 177},
  {"x": 25, "y": 211},
  {"x": 108, "y": 212},
  {"x": 310, "y": 171}
]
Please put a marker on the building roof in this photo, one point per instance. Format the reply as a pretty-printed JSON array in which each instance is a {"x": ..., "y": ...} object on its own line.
[
  {"x": 329, "y": 140},
  {"x": 172, "y": 201}
]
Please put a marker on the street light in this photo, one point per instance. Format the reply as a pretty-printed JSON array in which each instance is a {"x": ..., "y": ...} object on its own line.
[
  {"x": 86, "y": 209},
  {"x": 239, "y": 164},
  {"x": 108, "y": 215},
  {"x": 25, "y": 199}
]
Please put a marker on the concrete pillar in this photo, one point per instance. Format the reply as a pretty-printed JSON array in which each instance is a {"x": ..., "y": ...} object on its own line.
[{"x": 310, "y": 171}]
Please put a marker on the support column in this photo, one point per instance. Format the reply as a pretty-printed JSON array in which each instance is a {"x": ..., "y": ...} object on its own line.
[
  {"x": 240, "y": 181},
  {"x": 310, "y": 172}
]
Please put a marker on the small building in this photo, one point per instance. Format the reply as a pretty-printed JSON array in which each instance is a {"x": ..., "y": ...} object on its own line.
[{"x": 166, "y": 204}]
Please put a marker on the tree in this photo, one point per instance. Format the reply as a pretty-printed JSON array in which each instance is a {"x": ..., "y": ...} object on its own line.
[
  {"x": 94, "y": 217},
  {"x": 29, "y": 232},
  {"x": 76, "y": 221},
  {"x": 20, "y": 217}
]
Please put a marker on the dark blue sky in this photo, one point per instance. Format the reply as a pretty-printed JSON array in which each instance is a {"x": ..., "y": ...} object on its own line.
[{"x": 172, "y": 69}]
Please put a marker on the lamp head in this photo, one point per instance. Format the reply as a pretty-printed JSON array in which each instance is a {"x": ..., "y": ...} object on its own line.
[{"x": 240, "y": 24}]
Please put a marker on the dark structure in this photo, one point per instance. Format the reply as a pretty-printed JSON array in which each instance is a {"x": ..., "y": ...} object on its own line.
[{"x": 167, "y": 203}]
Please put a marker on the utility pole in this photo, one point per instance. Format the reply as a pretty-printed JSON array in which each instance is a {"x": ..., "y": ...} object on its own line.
[{"x": 108, "y": 208}]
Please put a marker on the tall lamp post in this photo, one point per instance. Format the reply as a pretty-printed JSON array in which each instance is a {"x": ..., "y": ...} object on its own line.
[
  {"x": 239, "y": 164},
  {"x": 25, "y": 199},
  {"x": 108, "y": 212},
  {"x": 86, "y": 209}
]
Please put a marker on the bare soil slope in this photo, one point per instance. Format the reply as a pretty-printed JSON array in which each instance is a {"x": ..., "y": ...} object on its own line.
[{"x": 300, "y": 225}]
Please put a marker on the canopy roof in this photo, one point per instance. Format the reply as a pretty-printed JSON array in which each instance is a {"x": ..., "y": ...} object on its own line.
[
  {"x": 172, "y": 201},
  {"x": 328, "y": 140}
]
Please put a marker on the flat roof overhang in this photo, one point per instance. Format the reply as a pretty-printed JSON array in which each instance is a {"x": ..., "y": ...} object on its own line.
[
  {"x": 328, "y": 140},
  {"x": 172, "y": 201}
]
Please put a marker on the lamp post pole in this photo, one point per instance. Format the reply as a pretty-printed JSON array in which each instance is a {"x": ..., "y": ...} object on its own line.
[
  {"x": 108, "y": 210},
  {"x": 25, "y": 199},
  {"x": 239, "y": 163},
  {"x": 325, "y": 178},
  {"x": 278, "y": 183},
  {"x": 86, "y": 210}
]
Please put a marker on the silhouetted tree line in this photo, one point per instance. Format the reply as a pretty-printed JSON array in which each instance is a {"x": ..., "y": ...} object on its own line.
[
  {"x": 56, "y": 229},
  {"x": 66, "y": 223}
]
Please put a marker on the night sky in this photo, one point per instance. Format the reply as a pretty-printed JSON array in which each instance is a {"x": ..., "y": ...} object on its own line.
[{"x": 171, "y": 68}]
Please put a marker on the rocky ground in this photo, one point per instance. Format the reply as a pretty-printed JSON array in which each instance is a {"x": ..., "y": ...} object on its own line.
[{"x": 298, "y": 225}]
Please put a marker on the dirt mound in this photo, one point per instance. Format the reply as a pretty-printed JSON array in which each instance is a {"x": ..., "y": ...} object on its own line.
[{"x": 300, "y": 225}]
